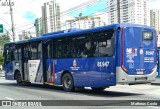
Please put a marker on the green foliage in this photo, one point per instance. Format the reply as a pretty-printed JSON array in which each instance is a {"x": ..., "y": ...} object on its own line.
[
  {"x": 28, "y": 37},
  {"x": 1, "y": 59},
  {"x": 3, "y": 39}
]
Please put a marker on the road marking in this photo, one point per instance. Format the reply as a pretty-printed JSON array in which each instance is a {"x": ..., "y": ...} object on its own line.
[
  {"x": 154, "y": 107},
  {"x": 9, "y": 98}
]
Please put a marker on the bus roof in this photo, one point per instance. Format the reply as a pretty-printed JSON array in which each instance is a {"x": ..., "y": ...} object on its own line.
[
  {"x": 51, "y": 36},
  {"x": 71, "y": 33},
  {"x": 9, "y": 42},
  {"x": 62, "y": 31}
]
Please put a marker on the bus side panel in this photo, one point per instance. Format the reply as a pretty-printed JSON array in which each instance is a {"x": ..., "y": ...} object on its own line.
[
  {"x": 49, "y": 70},
  {"x": 9, "y": 74},
  {"x": 87, "y": 72},
  {"x": 17, "y": 65},
  {"x": 35, "y": 71},
  {"x": 101, "y": 72},
  {"x": 158, "y": 69},
  {"x": 75, "y": 67}
]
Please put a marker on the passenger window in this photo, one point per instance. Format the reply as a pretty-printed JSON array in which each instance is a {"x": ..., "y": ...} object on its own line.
[
  {"x": 104, "y": 44},
  {"x": 87, "y": 45},
  {"x": 61, "y": 48},
  {"x": 35, "y": 51}
]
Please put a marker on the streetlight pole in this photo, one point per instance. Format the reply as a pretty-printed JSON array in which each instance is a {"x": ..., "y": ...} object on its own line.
[{"x": 12, "y": 21}]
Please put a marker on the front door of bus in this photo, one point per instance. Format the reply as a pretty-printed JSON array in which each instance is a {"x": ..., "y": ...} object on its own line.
[
  {"x": 48, "y": 62},
  {"x": 25, "y": 57}
]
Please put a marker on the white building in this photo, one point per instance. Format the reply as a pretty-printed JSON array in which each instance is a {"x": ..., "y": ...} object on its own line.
[
  {"x": 128, "y": 11},
  {"x": 26, "y": 34},
  {"x": 84, "y": 22},
  {"x": 38, "y": 26},
  {"x": 146, "y": 13},
  {"x": 154, "y": 18},
  {"x": 51, "y": 17}
]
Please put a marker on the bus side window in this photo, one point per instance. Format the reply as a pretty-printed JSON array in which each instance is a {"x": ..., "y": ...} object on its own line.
[
  {"x": 61, "y": 49},
  {"x": 35, "y": 51},
  {"x": 80, "y": 46},
  {"x": 104, "y": 43},
  {"x": 16, "y": 54}
]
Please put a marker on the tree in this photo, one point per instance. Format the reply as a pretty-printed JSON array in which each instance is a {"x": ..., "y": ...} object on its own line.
[
  {"x": 1, "y": 59},
  {"x": 28, "y": 37},
  {"x": 3, "y": 39}
]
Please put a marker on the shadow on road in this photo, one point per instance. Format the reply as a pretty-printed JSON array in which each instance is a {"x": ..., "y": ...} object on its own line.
[{"x": 59, "y": 89}]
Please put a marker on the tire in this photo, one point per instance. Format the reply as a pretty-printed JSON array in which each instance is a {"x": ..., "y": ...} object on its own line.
[
  {"x": 98, "y": 89},
  {"x": 67, "y": 82},
  {"x": 19, "y": 79}
]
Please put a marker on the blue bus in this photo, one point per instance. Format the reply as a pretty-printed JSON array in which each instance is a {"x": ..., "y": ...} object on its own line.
[
  {"x": 158, "y": 67},
  {"x": 97, "y": 58}
]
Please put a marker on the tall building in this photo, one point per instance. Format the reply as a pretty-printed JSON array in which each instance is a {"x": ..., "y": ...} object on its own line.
[
  {"x": 154, "y": 18},
  {"x": 84, "y": 22},
  {"x": 51, "y": 16},
  {"x": 128, "y": 11},
  {"x": 146, "y": 13},
  {"x": 38, "y": 27}
]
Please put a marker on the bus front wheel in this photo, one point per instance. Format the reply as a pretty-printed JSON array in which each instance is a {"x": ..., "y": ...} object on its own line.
[
  {"x": 67, "y": 82},
  {"x": 19, "y": 79}
]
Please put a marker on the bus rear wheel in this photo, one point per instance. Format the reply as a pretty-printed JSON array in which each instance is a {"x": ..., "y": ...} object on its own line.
[
  {"x": 98, "y": 88},
  {"x": 67, "y": 82},
  {"x": 19, "y": 79}
]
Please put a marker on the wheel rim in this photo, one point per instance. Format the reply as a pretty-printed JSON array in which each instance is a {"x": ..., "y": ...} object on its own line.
[{"x": 67, "y": 82}]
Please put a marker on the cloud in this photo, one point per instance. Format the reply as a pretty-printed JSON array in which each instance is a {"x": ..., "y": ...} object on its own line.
[
  {"x": 30, "y": 16},
  {"x": 154, "y": 4}
]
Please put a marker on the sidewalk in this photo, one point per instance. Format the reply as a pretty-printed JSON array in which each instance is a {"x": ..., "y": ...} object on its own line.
[
  {"x": 1, "y": 73},
  {"x": 157, "y": 82}
]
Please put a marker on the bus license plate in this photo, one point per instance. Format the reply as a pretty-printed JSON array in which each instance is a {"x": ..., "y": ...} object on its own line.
[
  {"x": 141, "y": 78},
  {"x": 139, "y": 73}
]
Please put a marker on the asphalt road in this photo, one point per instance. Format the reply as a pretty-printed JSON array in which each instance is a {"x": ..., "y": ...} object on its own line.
[{"x": 9, "y": 90}]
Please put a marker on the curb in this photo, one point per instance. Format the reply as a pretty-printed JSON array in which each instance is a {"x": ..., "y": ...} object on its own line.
[{"x": 155, "y": 84}]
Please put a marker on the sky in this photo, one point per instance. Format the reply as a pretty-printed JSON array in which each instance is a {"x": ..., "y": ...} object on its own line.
[{"x": 25, "y": 11}]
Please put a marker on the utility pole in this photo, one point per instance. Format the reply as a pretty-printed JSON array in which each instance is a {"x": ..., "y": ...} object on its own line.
[{"x": 12, "y": 21}]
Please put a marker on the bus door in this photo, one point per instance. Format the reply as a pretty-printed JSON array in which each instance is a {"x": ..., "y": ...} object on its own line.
[
  {"x": 48, "y": 74},
  {"x": 25, "y": 57},
  {"x": 35, "y": 63}
]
